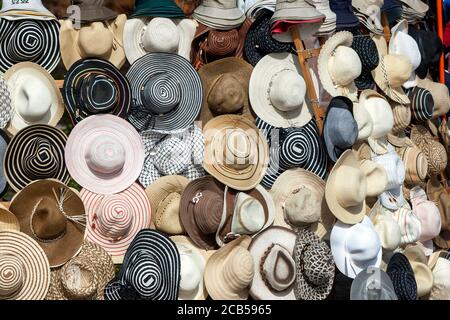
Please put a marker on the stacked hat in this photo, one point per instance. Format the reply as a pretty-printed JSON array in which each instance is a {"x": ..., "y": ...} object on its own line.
[
  {"x": 367, "y": 51},
  {"x": 253, "y": 8},
  {"x": 219, "y": 14},
  {"x": 345, "y": 16},
  {"x": 157, "y": 8},
  {"x": 392, "y": 9},
  {"x": 369, "y": 14},
  {"x": 413, "y": 10},
  {"x": 329, "y": 24}
]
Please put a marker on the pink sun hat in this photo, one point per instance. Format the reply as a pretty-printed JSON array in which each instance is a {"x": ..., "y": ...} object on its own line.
[
  {"x": 114, "y": 220},
  {"x": 428, "y": 213},
  {"x": 110, "y": 157}
]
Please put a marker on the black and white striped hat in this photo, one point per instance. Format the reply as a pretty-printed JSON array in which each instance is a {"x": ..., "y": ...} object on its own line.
[
  {"x": 36, "y": 152},
  {"x": 29, "y": 40},
  {"x": 422, "y": 103},
  {"x": 167, "y": 92},
  {"x": 150, "y": 271}
]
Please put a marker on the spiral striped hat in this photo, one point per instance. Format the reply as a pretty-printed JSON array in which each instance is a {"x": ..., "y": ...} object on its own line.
[
  {"x": 114, "y": 220},
  {"x": 422, "y": 103},
  {"x": 24, "y": 268},
  {"x": 36, "y": 152},
  {"x": 167, "y": 92},
  {"x": 29, "y": 40},
  {"x": 150, "y": 271}
]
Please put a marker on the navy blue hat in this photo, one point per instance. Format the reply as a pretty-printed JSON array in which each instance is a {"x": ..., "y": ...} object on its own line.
[
  {"x": 345, "y": 17},
  {"x": 393, "y": 11},
  {"x": 368, "y": 54},
  {"x": 402, "y": 275}
]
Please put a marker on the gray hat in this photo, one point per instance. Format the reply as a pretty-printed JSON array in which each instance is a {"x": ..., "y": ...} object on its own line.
[{"x": 372, "y": 284}]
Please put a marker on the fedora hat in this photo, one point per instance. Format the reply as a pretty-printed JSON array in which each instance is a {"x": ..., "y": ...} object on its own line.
[
  {"x": 94, "y": 10},
  {"x": 314, "y": 267},
  {"x": 355, "y": 247},
  {"x": 201, "y": 208},
  {"x": 274, "y": 265},
  {"x": 339, "y": 65},
  {"x": 36, "y": 152},
  {"x": 402, "y": 275},
  {"x": 4, "y": 141},
  {"x": 157, "y": 8},
  {"x": 111, "y": 157},
  {"x": 402, "y": 117},
  {"x": 54, "y": 216},
  {"x": 225, "y": 88},
  {"x": 193, "y": 262},
  {"x": 219, "y": 14},
  {"x": 35, "y": 97},
  {"x": 6, "y": 106},
  {"x": 83, "y": 277},
  {"x": 422, "y": 103},
  {"x": 167, "y": 92},
  {"x": 26, "y": 271},
  {"x": 299, "y": 198},
  {"x": 8, "y": 221},
  {"x": 437, "y": 193},
  {"x": 34, "y": 9},
  {"x": 178, "y": 152},
  {"x": 165, "y": 197},
  {"x": 345, "y": 16},
  {"x": 29, "y": 40},
  {"x": 340, "y": 127},
  {"x": 236, "y": 153},
  {"x": 439, "y": 92},
  {"x": 150, "y": 270},
  {"x": 372, "y": 284},
  {"x": 416, "y": 165},
  {"x": 422, "y": 272},
  {"x": 100, "y": 39},
  {"x": 114, "y": 220},
  {"x": 145, "y": 35},
  {"x": 230, "y": 270},
  {"x": 95, "y": 86},
  {"x": 428, "y": 213},
  {"x": 278, "y": 91},
  {"x": 367, "y": 52}
]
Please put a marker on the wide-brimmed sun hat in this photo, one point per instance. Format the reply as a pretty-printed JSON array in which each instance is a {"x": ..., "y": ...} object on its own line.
[
  {"x": 111, "y": 156},
  {"x": 54, "y": 216},
  {"x": 114, "y": 220}
]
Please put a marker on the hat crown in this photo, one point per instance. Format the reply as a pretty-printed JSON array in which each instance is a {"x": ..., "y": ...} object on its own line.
[
  {"x": 179, "y": 157},
  {"x": 397, "y": 69},
  {"x": 278, "y": 268},
  {"x": 226, "y": 95},
  {"x": 367, "y": 51},
  {"x": 317, "y": 263},
  {"x": 115, "y": 216},
  {"x": 302, "y": 207},
  {"x": 239, "y": 150},
  {"x": 97, "y": 93},
  {"x": 344, "y": 66},
  {"x": 239, "y": 269},
  {"x": 161, "y": 35},
  {"x": 191, "y": 273},
  {"x": 105, "y": 155},
  {"x": 48, "y": 223},
  {"x": 12, "y": 275},
  {"x": 394, "y": 168},
  {"x": 208, "y": 211},
  {"x": 402, "y": 43},
  {"x": 287, "y": 91},
  {"x": 78, "y": 279},
  {"x": 41, "y": 160},
  {"x": 343, "y": 133},
  {"x": 381, "y": 114},
  {"x": 249, "y": 216},
  {"x": 32, "y": 98},
  {"x": 27, "y": 42},
  {"x": 352, "y": 190},
  {"x": 222, "y": 43},
  {"x": 145, "y": 275},
  {"x": 362, "y": 244},
  {"x": 95, "y": 40},
  {"x": 161, "y": 93}
]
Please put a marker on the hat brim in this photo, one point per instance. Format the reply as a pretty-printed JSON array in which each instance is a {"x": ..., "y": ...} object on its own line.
[{"x": 8, "y": 221}]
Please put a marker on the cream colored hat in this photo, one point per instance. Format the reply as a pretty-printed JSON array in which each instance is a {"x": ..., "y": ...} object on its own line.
[
  {"x": 441, "y": 283},
  {"x": 376, "y": 177},
  {"x": 386, "y": 227},
  {"x": 364, "y": 121},
  {"x": 422, "y": 272},
  {"x": 402, "y": 117}
]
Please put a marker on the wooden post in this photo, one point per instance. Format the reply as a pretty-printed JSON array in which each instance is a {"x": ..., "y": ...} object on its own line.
[{"x": 386, "y": 28}]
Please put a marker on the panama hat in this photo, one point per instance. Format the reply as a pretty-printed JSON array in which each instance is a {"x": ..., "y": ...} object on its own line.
[
  {"x": 29, "y": 40},
  {"x": 219, "y": 14},
  {"x": 428, "y": 213},
  {"x": 94, "y": 10},
  {"x": 422, "y": 272},
  {"x": 157, "y": 8},
  {"x": 225, "y": 88},
  {"x": 6, "y": 106},
  {"x": 402, "y": 275},
  {"x": 402, "y": 117},
  {"x": 299, "y": 198},
  {"x": 167, "y": 92},
  {"x": 54, "y": 216},
  {"x": 35, "y": 97},
  {"x": 95, "y": 86},
  {"x": 165, "y": 196},
  {"x": 26, "y": 271},
  {"x": 278, "y": 91},
  {"x": 145, "y": 35},
  {"x": 355, "y": 247},
  {"x": 440, "y": 94},
  {"x": 236, "y": 153},
  {"x": 35, "y": 9},
  {"x": 83, "y": 277},
  {"x": 101, "y": 39},
  {"x": 274, "y": 265},
  {"x": 114, "y": 220},
  {"x": 314, "y": 267},
  {"x": 416, "y": 165},
  {"x": 372, "y": 284},
  {"x": 111, "y": 157},
  {"x": 36, "y": 152},
  {"x": 150, "y": 270},
  {"x": 193, "y": 262}
]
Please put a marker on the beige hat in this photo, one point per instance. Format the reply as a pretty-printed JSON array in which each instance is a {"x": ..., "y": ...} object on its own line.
[
  {"x": 386, "y": 227},
  {"x": 165, "y": 195},
  {"x": 440, "y": 94},
  {"x": 416, "y": 165},
  {"x": 441, "y": 275},
  {"x": 299, "y": 198},
  {"x": 422, "y": 272},
  {"x": 364, "y": 121},
  {"x": 376, "y": 177},
  {"x": 8, "y": 221},
  {"x": 229, "y": 271},
  {"x": 402, "y": 117},
  {"x": 93, "y": 40},
  {"x": 339, "y": 65},
  {"x": 400, "y": 140}
]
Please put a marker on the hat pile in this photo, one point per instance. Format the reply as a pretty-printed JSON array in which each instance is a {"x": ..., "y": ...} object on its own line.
[
  {"x": 369, "y": 14},
  {"x": 413, "y": 11}
]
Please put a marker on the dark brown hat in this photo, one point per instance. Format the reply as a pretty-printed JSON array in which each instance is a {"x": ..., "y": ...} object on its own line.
[{"x": 53, "y": 215}]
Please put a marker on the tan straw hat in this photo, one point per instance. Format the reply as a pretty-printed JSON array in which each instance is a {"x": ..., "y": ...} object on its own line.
[
  {"x": 8, "y": 221},
  {"x": 422, "y": 272},
  {"x": 402, "y": 117},
  {"x": 440, "y": 94},
  {"x": 416, "y": 165}
]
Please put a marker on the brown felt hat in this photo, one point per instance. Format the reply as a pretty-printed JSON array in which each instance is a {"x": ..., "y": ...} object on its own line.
[
  {"x": 225, "y": 88},
  {"x": 54, "y": 216}
]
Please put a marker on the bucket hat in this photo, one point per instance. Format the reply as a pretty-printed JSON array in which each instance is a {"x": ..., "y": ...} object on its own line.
[
  {"x": 95, "y": 86},
  {"x": 422, "y": 103},
  {"x": 440, "y": 94},
  {"x": 157, "y": 8},
  {"x": 114, "y": 220},
  {"x": 36, "y": 152},
  {"x": 150, "y": 270},
  {"x": 345, "y": 16},
  {"x": 54, "y": 216},
  {"x": 437, "y": 193},
  {"x": 367, "y": 52},
  {"x": 94, "y": 10},
  {"x": 83, "y": 277},
  {"x": 77, "y": 44},
  {"x": 428, "y": 213},
  {"x": 369, "y": 14},
  {"x": 372, "y": 284},
  {"x": 402, "y": 276},
  {"x": 33, "y": 9},
  {"x": 6, "y": 106},
  {"x": 219, "y": 14},
  {"x": 422, "y": 272},
  {"x": 35, "y": 97},
  {"x": 167, "y": 92},
  {"x": 329, "y": 24},
  {"x": 27, "y": 271}
]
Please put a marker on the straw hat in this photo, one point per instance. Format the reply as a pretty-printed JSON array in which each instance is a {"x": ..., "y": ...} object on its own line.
[
  {"x": 274, "y": 265},
  {"x": 8, "y": 221},
  {"x": 299, "y": 198},
  {"x": 441, "y": 276},
  {"x": 339, "y": 65},
  {"x": 114, "y": 220},
  {"x": 402, "y": 275},
  {"x": 422, "y": 272},
  {"x": 229, "y": 271},
  {"x": 54, "y": 216},
  {"x": 111, "y": 157},
  {"x": 386, "y": 227},
  {"x": 278, "y": 91},
  {"x": 165, "y": 197},
  {"x": 25, "y": 268},
  {"x": 101, "y": 39},
  {"x": 402, "y": 117},
  {"x": 225, "y": 88},
  {"x": 428, "y": 213},
  {"x": 83, "y": 277},
  {"x": 236, "y": 153},
  {"x": 35, "y": 97},
  {"x": 193, "y": 262},
  {"x": 440, "y": 94},
  {"x": 4, "y": 141},
  {"x": 416, "y": 165}
]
